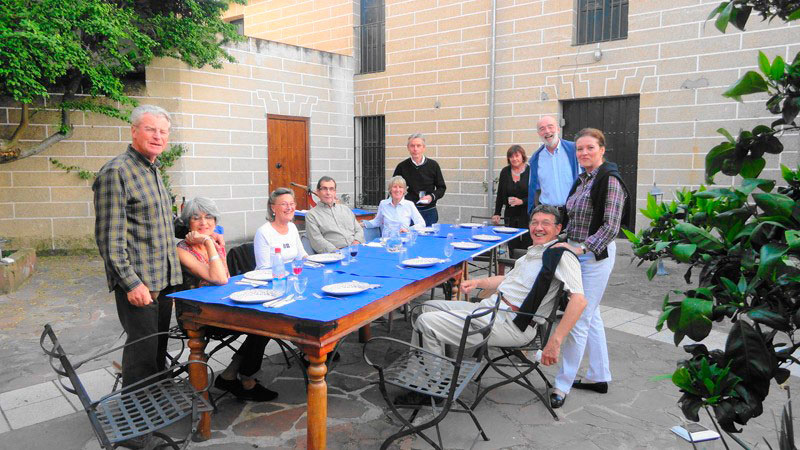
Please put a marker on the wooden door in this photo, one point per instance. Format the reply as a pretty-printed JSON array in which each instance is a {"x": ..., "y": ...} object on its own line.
[
  {"x": 618, "y": 119},
  {"x": 287, "y": 154}
]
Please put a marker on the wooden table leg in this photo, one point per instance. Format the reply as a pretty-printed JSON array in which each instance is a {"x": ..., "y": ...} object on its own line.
[
  {"x": 364, "y": 334},
  {"x": 317, "y": 413},
  {"x": 198, "y": 377}
]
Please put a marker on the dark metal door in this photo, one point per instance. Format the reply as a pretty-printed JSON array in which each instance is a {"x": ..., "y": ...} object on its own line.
[{"x": 618, "y": 119}]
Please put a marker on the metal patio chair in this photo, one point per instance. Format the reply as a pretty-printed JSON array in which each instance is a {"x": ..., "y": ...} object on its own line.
[
  {"x": 442, "y": 378},
  {"x": 515, "y": 364},
  {"x": 137, "y": 410}
]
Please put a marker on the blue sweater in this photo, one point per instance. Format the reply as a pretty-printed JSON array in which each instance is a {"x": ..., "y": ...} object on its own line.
[{"x": 533, "y": 181}]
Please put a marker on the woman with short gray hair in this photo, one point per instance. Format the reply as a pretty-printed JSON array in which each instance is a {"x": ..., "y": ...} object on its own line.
[
  {"x": 279, "y": 231},
  {"x": 396, "y": 213}
]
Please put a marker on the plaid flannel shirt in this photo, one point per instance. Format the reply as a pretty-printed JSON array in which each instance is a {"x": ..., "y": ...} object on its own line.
[
  {"x": 133, "y": 224},
  {"x": 580, "y": 210}
]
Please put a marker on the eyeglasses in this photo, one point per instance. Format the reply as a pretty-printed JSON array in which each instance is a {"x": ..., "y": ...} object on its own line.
[
  {"x": 286, "y": 204},
  {"x": 152, "y": 130},
  {"x": 544, "y": 223},
  {"x": 207, "y": 217}
]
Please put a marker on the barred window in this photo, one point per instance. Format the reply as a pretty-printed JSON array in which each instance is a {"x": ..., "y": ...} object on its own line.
[
  {"x": 372, "y": 37},
  {"x": 370, "y": 160},
  {"x": 601, "y": 20}
]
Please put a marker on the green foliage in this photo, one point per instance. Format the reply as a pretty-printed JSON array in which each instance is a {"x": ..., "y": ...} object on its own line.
[
  {"x": 167, "y": 159},
  {"x": 743, "y": 243},
  {"x": 88, "y": 46}
]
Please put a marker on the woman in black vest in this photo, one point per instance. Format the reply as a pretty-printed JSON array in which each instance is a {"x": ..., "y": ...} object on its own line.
[
  {"x": 512, "y": 192},
  {"x": 596, "y": 207}
]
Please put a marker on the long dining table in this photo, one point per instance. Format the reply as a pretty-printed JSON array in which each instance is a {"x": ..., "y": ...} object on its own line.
[{"x": 316, "y": 323}]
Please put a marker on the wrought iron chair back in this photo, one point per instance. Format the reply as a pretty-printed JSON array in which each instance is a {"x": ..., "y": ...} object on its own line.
[
  {"x": 136, "y": 410},
  {"x": 440, "y": 377},
  {"x": 518, "y": 359}
]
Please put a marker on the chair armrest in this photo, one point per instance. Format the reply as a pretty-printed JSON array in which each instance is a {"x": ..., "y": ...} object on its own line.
[{"x": 111, "y": 350}]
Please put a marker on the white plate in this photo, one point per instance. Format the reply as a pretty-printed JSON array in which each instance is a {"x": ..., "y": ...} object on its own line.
[
  {"x": 255, "y": 295},
  {"x": 508, "y": 230},
  {"x": 326, "y": 258},
  {"x": 374, "y": 244},
  {"x": 421, "y": 262},
  {"x": 346, "y": 288},
  {"x": 469, "y": 225},
  {"x": 466, "y": 245},
  {"x": 261, "y": 275},
  {"x": 486, "y": 237}
]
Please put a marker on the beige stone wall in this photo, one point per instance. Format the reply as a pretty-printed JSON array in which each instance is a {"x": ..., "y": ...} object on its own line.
[
  {"x": 220, "y": 118},
  {"x": 436, "y": 82},
  {"x": 325, "y": 25}
]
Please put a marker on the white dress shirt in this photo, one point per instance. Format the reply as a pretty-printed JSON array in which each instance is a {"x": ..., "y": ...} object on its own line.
[{"x": 396, "y": 216}]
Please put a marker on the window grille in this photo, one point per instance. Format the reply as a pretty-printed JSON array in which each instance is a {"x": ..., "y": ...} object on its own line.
[
  {"x": 372, "y": 37},
  {"x": 370, "y": 160},
  {"x": 601, "y": 20}
]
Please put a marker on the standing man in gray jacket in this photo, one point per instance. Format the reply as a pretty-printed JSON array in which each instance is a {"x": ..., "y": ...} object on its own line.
[{"x": 331, "y": 225}]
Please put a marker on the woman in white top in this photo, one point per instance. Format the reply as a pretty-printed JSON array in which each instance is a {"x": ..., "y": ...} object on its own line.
[
  {"x": 279, "y": 231},
  {"x": 396, "y": 212}
]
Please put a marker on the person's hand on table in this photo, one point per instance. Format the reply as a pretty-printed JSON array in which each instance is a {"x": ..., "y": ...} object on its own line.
[
  {"x": 496, "y": 219},
  {"x": 140, "y": 296},
  {"x": 356, "y": 243},
  {"x": 404, "y": 230}
]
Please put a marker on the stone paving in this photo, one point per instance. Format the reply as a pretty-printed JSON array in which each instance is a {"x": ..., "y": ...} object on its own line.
[{"x": 636, "y": 413}]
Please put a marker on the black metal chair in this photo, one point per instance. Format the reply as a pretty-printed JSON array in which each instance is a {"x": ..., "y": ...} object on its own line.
[
  {"x": 137, "y": 410},
  {"x": 514, "y": 363},
  {"x": 442, "y": 378}
]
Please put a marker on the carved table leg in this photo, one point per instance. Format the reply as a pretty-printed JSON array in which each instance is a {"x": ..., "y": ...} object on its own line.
[
  {"x": 198, "y": 376},
  {"x": 317, "y": 402}
]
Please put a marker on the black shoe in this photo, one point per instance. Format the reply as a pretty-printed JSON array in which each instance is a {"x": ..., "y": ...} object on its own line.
[
  {"x": 227, "y": 385},
  {"x": 600, "y": 388},
  {"x": 557, "y": 401},
  {"x": 257, "y": 394},
  {"x": 414, "y": 398},
  {"x": 447, "y": 288},
  {"x": 136, "y": 443}
]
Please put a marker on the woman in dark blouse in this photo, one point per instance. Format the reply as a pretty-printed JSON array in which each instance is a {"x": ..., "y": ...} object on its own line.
[{"x": 512, "y": 192}]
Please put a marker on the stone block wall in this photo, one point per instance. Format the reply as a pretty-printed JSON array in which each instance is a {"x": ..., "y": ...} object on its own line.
[
  {"x": 437, "y": 82},
  {"x": 220, "y": 118}
]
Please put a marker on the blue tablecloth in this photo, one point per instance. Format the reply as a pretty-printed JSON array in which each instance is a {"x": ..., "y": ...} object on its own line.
[{"x": 372, "y": 265}]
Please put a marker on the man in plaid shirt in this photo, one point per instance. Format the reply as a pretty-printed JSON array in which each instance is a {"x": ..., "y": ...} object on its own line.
[{"x": 135, "y": 235}]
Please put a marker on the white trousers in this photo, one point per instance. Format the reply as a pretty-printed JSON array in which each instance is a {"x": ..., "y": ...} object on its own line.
[
  {"x": 588, "y": 333},
  {"x": 439, "y": 328}
]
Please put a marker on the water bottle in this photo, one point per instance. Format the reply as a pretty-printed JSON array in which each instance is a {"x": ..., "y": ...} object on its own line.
[{"x": 278, "y": 267}]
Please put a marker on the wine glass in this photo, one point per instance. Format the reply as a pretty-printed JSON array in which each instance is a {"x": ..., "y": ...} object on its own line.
[
  {"x": 300, "y": 284},
  {"x": 297, "y": 266},
  {"x": 353, "y": 252}
]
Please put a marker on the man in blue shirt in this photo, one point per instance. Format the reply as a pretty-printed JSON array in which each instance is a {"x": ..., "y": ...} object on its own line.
[{"x": 554, "y": 167}]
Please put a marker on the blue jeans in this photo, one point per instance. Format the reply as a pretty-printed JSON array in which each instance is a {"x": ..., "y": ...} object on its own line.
[{"x": 431, "y": 216}]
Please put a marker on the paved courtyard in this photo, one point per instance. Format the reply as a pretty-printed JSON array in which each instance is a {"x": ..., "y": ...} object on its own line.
[{"x": 638, "y": 411}]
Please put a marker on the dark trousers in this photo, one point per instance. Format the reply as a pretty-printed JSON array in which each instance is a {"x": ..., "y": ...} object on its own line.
[
  {"x": 524, "y": 241},
  {"x": 147, "y": 357},
  {"x": 252, "y": 354},
  {"x": 431, "y": 216}
]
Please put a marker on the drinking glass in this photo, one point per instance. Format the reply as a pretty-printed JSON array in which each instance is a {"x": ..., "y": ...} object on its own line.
[
  {"x": 485, "y": 226},
  {"x": 346, "y": 256},
  {"x": 473, "y": 231},
  {"x": 402, "y": 255},
  {"x": 297, "y": 266},
  {"x": 300, "y": 284},
  {"x": 279, "y": 286},
  {"x": 448, "y": 246},
  {"x": 412, "y": 237},
  {"x": 394, "y": 242},
  {"x": 436, "y": 228},
  {"x": 353, "y": 252},
  {"x": 327, "y": 277}
]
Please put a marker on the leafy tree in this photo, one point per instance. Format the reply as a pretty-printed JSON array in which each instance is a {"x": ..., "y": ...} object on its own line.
[
  {"x": 83, "y": 49},
  {"x": 745, "y": 241}
]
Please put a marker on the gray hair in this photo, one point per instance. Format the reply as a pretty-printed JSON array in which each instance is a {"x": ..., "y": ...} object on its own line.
[
  {"x": 396, "y": 180},
  {"x": 323, "y": 179},
  {"x": 199, "y": 205},
  {"x": 555, "y": 211},
  {"x": 153, "y": 110},
  {"x": 416, "y": 136},
  {"x": 273, "y": 197}
]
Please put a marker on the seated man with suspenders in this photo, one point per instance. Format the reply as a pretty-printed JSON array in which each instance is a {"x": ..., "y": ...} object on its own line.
[{"x": 536, "y": 280}]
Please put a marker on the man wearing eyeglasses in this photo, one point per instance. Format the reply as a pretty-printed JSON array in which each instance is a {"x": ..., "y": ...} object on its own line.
[
  {"x": 331, "y": 225},
  {"x": 136, "y": 238}
]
